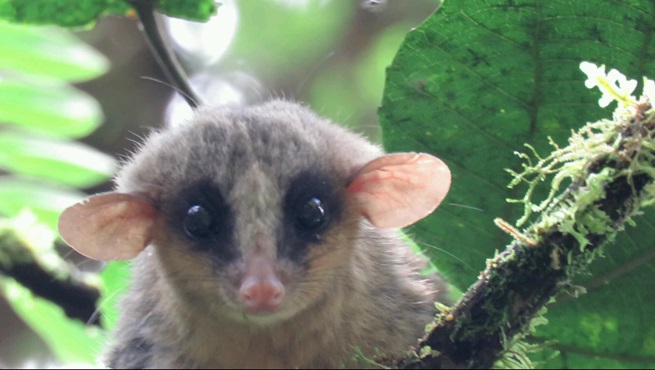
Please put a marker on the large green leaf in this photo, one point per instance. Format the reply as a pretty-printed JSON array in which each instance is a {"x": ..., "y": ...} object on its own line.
[
  {"x": 76, "y": 13},
  {"x": 48, "y": 52},
  {"x": 473, "y": 84},
  {"x": 479, "y": 79},
  {"x": 614, "y": 323}
]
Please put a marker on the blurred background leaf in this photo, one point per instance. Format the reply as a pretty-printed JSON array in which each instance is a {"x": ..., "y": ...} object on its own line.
[
  {"x": 113, "y": 277},
  {"x": 35, "y": 101},
  {"x": 49, "y": 107},
  {"x": 70, "y": 340},
  {"x": 55, "y": 54},
  {"x": 65, "y": 162},
  {"x": 40, "y": 166},
  {"x": 79, "y": 13},
  {"x": 475, "y": 82},
  {"x": 45, "y": 200}
]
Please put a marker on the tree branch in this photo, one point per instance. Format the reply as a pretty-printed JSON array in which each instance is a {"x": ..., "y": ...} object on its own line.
[
  {"x": 77, "y": 298},
  {"x": 519, "y": 282}
]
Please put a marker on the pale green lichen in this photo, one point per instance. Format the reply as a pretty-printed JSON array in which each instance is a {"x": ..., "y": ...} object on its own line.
[
  {"x": 603, "y": 159},
  {"x": 517, "y": 349},
  {"x": 626, "y": 139},
  {"x": 650, "y": 199},
  {"x": 427, "y": 351},
  {"x": 365, "y": 361}
]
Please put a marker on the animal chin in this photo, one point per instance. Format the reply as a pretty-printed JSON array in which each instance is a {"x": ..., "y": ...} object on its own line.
[
  {"x": 263, "y": 309},
  {"x": 266, "y": 316}
]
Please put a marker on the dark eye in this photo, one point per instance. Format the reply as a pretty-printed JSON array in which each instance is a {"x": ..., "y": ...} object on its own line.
[
  {"x": 198, "y": 222},
  {"x": 311, "y": 215}
]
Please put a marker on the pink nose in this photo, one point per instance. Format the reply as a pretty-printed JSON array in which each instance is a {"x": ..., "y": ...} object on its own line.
[{"x": 261, "y": 294}]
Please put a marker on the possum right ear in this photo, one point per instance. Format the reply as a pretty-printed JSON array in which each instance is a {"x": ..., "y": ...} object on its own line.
[
  {"x": 399, "y": 189},
  {"x": 109, "y": 226}
]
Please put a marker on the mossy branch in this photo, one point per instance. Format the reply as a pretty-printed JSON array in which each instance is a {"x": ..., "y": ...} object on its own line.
[{"x": 611, "y": 169}]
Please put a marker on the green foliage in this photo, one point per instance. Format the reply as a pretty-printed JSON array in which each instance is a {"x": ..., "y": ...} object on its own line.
[
  {"x": 63, "y": 13},
  {"x": 342, "y": 91},
  {"x": 65, "y": 162},
  {"x": 113, "y": 277},
  {"x": 40, "y": 110},
  {"x": 195, "y": 10},
  {"x": 46, "y": 201},
  {"x": 313, "y": 24},
  {"x": 471, "y": 85},
  {"x": 79, "y": 13},
  {"x": 50, "y": 107},
  {"x": 40, "y": 114},
  {"x": 70, "y": 340},
  {"x": 55, "y": 55}
]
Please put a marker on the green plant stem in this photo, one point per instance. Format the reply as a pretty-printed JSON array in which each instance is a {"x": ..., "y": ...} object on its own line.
[{"x": 151, "y": 28}]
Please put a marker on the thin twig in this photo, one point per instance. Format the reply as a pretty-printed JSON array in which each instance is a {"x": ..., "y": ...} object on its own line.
[{"x": 151, "y": 28}]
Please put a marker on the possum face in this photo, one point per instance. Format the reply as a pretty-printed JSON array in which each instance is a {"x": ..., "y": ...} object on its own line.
[
  {"x": 260, "y": 250},
  {"x": 253, "y": 213},
  {"x": 253, "y": 207}
]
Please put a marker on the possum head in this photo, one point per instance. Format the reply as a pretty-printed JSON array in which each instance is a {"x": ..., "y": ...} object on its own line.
[{"x": 251, "y": 212}]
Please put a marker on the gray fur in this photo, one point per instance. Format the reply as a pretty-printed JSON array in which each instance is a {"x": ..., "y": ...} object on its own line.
[{"x": 360, "y": 287}]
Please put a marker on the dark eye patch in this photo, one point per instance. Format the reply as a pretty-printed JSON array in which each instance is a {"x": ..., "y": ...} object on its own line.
[
  {"x": 200, "y": 215},
  {"x": 311, "y": 206}
]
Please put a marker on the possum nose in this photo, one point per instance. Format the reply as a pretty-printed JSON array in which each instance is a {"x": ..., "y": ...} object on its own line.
[{"x": 261, "y": 294}]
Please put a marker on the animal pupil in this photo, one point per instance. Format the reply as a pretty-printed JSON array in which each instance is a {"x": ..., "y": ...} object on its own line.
[
  {"x": 311, "y": 215},
  {"x": 198, "y": 222}
]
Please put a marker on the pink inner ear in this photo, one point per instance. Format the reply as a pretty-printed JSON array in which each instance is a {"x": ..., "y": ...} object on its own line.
[
  {"x": 399, "y": 189},
  {"x": 110, "y": 226}
]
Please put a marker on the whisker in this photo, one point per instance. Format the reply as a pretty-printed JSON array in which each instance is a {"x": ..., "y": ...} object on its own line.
[
  {"x": 186, "y": 96},
  {"x": 464, "y": 206}
]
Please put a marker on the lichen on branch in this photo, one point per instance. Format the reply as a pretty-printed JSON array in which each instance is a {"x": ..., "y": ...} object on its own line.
[
  {"x": 599, "y": 154},
  {"x": 597, "y": 183}
]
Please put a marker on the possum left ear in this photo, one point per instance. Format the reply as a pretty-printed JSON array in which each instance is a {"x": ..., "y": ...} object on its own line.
[
  {"x": 109, "y": 226},
  {"x": 399, "y": 189}
]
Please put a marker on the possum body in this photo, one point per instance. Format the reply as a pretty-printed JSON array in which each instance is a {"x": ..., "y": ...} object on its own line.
[{"x": 253, "y": 231}]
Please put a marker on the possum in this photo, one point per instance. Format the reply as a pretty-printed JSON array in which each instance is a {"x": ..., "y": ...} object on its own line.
[{"x": 264, "y": 237}]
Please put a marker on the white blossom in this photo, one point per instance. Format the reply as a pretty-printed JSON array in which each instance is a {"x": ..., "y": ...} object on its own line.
[
  {"x": 649, "y": 90},
  {"x": 593, "y": 72},
  {"x": 626, "y": 87},
  {"x": 614, "y": 85}
]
